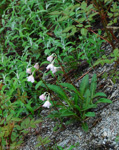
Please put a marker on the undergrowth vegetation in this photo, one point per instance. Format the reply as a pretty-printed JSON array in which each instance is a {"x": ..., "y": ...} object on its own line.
[{"x": 41, "y": 43}]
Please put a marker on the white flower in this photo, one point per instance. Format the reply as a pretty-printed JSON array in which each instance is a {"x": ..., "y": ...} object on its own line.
[
  {"x": 50, "y": 66},
  {"x": 28, "y": 70},
  {"x": 47, "y": 104},
  {"x": 50, "y": 58},
  {"x": 42, "y": 97},
  {"x": 30, "y": 78},
  {"x": 55, "y": 69},
  {"x": 36, "y": 66}
]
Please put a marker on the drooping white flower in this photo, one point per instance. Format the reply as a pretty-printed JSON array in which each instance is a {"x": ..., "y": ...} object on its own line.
[
  {"x": 30, "y": 78},
  {"x": 36, "y": 66},
  {"x": 50, "y": 66},
  {"x": 50, "y": 58},
  {"x": 42, "y": 97},
  {"x": 28, "y": 70},
  {"x": 47, "y": 104},
  {"x": 55, "y": 69}
]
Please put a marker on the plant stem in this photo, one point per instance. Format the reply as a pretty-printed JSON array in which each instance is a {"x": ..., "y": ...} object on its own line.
[{"x": 53, "y": 101}]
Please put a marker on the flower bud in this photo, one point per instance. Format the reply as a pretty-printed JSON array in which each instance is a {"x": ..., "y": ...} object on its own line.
[{"x": 36, "y": 66}]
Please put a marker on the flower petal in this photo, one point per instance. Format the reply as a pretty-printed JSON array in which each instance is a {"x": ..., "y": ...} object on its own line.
[
  {"x": 30, "y": 79},
  {"x": 50, "y": 58},
  {"x": 42, "y": 97},
  {"x": 28, "y": 70},
  {"x": 47, "y": 104},
  {"x": 36, "y": 66},
  {"x": 50, "y": 66}
]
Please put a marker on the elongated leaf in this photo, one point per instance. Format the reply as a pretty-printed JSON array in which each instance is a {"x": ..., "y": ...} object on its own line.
[
  {"x": 37, "y": 121},
  {"x": 76, "y": 99},
  {"x": 116, "y": 52},
  {"x": 58, "y": 90},
  {"x": 83, "y": 5},
  {"x": 54, "y": 114},
  {"x": 85, "y": 127},
  {"x": 55, "y": 13},
  {"x": 104, "y": 100},
  {"x": 38, "y": 84},
  {"x": 68, "y": 29},
  {"x": 68, "y": 113},
  {"x": 84, "y": 31},
  {"x": 84, "y": 84},
  {"x": 87, "y": 97},
  {"x": 77, "y": 107},
  {"x": 100, "y": 94},
  {"x": 16, "y": 119},
  {"x": 93, "y": 85},
  {"x": 89, "y": 107},
  {"x": 63, "y": 18},
  {"x": 90, "y": 114},
  {"x": 70, "y": 86}
]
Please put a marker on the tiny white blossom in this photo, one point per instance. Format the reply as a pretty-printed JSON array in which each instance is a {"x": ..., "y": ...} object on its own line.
[
  {"x": 50, "y": 66},
  {"x": 30, "y": 78},
  {"x": 55, "y": 69},
  {"x": 47, "y": 104},
  {"x": 42, "y": 97},
  {"x": 50, "y": 58}
]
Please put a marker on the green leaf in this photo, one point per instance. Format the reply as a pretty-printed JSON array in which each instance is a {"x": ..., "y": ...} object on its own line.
[
  {"x": 89, "y": 107},
  {"x": 84, "y": 31},
  {"x": 76, "y": 98},
  {"x": 93, "y": 85},
  {"x": 80, "y": 25},
  {"x": 37, "y": 121},
  {"x": 25, "y": 131},
  {"x": 44, "y": 62},
  {"x": 85, "y": 127},
  {"x": 116, "y": 52},
  {"x": 81, "y": 20},
  {"x": 30, "y": 108},
  {"x": 63, "y": 18},
  {"x": 55, "y": 13},
  {"x": 100, "y": 94},
  {"x": 83, "y": 5},
  {"x": 87, "y": 97},
  {"x": 104, "y": 100},
  {"x": 1, "y": 29},
  {"x": 38, "y": 84},
  {"x": 84, "y": 84},
  {"x": 69, "y": 86},
  {"x": 16, "y": 119},
  {"x": 90, "y": 114},
  {"x": 18, "y": 127},
  {"x": 9, "y": 117},
  {"x": 68, "y": 28},
  {"x": 68, "y": 113},
  {"x": 57, "y": 90},
  {"x": 77, "y": 107}
]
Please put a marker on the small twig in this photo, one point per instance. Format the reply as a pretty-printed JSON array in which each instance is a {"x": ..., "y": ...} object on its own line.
[{"x": 83, "y": 75}]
